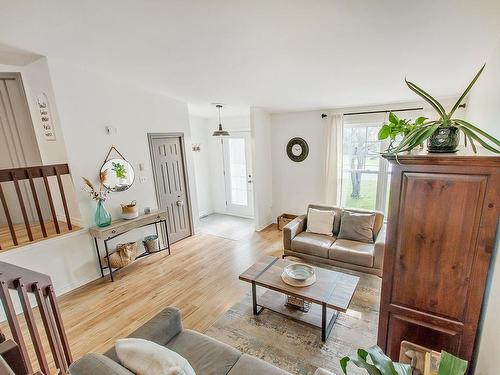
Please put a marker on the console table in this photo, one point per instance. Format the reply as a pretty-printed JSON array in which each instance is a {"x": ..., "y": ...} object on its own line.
[{"x": 122, "y": 226}]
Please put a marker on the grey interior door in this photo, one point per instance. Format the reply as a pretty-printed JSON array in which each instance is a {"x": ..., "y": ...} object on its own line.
[{"x": 171, "y": 183}]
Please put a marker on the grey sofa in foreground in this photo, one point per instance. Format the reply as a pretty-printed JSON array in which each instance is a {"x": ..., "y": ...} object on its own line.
[
  {"x": 207, "y": 356},
  {"x": 354, "y": 255}
]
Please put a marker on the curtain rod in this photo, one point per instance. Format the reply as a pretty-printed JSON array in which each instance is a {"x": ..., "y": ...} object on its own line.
[
  {"x": 383, "y": 111},
  {"x": 323, "y": 115}
]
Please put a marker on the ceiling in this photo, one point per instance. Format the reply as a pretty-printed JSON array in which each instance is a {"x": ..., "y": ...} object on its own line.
[{"x": 284, "y": 55}]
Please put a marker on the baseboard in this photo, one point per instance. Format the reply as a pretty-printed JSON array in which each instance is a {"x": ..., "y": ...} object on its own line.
[{"x": 265, "y": 226}]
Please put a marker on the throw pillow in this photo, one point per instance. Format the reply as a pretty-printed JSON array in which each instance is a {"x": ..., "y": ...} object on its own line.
[
  {"x": 357, "y": 226},
  {"x": 144, "y": 357},
  {"x": 320, "y": 221}
]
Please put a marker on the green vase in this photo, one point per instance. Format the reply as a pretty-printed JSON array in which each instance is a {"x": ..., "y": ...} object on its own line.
[{"x": 102, "y": 216}]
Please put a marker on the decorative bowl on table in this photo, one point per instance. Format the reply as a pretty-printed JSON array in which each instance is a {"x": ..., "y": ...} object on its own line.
[{"x": 298, "y": 274}]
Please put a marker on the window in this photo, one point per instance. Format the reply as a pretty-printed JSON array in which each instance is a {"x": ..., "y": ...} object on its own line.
[{"x": 365, "y": 174}]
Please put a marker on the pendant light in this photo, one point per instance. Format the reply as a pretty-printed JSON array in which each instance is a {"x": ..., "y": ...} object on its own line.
[{"x": 219, "y": 132}]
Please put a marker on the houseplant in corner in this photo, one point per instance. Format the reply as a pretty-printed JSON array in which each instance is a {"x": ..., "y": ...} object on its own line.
[
  {"x": 443, "y": 134},
  {"x": 102, "y": 216},
  {"x": 375, "y": 362}
]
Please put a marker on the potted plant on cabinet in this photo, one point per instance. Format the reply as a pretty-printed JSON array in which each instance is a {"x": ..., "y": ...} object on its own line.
[{"x": 443, "y": 134}]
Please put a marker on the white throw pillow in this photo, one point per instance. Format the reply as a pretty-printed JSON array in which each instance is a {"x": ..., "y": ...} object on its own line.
[
  {"x": 320, "y": 221},
  {"x": 144, "y": 357}
]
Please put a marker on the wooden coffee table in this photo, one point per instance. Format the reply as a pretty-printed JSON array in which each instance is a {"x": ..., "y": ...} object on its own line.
[{"x": 332, "y": 292}]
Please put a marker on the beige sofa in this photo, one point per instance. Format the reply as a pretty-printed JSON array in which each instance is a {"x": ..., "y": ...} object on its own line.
[{"x": 354, "y": 255}]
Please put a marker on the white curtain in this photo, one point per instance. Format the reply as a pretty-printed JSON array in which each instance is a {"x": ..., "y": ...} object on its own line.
[{"x": 333, "y": 172}]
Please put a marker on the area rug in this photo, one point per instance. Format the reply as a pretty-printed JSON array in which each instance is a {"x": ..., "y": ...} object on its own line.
[{"x": 297, "y": 347}]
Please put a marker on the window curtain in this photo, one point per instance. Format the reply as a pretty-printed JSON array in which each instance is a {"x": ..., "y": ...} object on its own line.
[{"x": 333, "y": 172}]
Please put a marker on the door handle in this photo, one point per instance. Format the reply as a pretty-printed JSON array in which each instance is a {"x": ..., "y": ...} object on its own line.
[
  {"x": 179, "y": 203},
  {"x": 249, "y": 181}
]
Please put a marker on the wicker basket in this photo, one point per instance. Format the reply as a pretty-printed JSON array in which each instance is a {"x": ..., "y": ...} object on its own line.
[
  {"x": 151, "y": 243},
  {"x": 124, "y": 255},
  {"x": 284, "y": 219}
]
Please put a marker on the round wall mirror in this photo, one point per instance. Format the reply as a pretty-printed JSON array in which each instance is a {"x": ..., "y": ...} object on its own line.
[{"x": 119, "y": 174}]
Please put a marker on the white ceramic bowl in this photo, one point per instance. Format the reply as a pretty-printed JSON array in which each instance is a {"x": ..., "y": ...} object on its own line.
[{"x": 299, "y": 271}]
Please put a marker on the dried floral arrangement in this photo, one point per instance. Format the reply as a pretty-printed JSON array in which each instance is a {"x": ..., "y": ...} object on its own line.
[{"x": 100, "y": 194}]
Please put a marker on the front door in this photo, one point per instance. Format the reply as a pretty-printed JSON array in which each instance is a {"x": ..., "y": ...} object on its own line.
[
  {"x": 171, "y": 183},
  {"x": 238, "y": 174}
]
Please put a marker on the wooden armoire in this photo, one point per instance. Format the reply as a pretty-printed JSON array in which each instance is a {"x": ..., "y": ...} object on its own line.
[{"x": 442, "y": 220}]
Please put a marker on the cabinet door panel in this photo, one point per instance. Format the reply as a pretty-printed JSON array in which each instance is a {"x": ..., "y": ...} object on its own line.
[
  {"x": 436, "y": 243},
  {"x": 402, "y": 328}
]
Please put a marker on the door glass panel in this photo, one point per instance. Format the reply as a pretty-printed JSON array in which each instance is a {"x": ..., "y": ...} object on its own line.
[{"x": 238, "y": 171}]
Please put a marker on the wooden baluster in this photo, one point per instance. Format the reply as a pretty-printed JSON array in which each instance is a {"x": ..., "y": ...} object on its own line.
[
  {"x": 37, "y": 203},
  {"x": 51, "y": 202},
  {"x": 63, "y": 197},
  {"x": 31, "y": 323},
  {"x": 23, "y": 208},
  {"x": 7, "y": 216},
  {"x": 59, "y": 324},
  {"x": 15, "y": 329},
  {"x": 49, "y": 328}
]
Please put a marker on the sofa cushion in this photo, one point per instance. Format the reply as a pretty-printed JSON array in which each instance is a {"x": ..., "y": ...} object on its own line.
[
  {"x": 379, "y": 219},
  {"x": 144, "y": 357},
  {"x": 320, "y": 221},
  {"x": 251, "y": 365},
  {"x": 312, "y": 244},
  {"x": 206, "y": 355},
  {"x": 357, "y": 226},
  {"x": 353, "y": 252},
  {"x": 97, "y": 364},
  {"x": 338, "y": 212}
]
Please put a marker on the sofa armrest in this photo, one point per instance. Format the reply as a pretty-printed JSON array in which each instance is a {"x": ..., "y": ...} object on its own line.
[
  {"x": 293, "y": 228},
  {"x": 379, "y": 249},
  {"x": 160, "y": 329},
  {"x": 97, "y": 364}
]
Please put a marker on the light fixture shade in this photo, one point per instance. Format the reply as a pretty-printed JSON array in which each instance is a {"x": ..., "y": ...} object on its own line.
[{"x": 220, "y": 132}]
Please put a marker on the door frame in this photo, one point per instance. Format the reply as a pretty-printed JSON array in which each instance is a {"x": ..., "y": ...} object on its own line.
[{"x": 180, "y": 136}]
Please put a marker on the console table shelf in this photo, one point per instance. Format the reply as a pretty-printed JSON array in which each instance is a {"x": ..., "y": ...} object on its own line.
[{"x": 122, "y": 226}]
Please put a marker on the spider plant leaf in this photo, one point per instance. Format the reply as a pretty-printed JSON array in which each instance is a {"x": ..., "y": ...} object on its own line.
[
  {"x": 449, "y": 364},
  {"x": 472, "y": 145},
  {"x": 426, "y": 134},
  {"x": 428, "y": 98},
  {"x": 474, "y": 136},
  {"x": 477, "y": 130},
  {"x": 464, "y": 94},
  {"x": 411, "y": 140}
]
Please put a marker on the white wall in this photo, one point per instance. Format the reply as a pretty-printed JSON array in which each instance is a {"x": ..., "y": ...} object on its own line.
[
  {"x": 87, "y": 101},
  {"x": 262, "y": 168},
  {"x": 295, "y": 185},
  {"x": 483, "y": 110},
  {"x": 202, "y": 165}
]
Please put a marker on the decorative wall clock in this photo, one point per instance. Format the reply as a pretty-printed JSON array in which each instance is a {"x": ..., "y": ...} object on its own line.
[{"x": 297, "y": 149}]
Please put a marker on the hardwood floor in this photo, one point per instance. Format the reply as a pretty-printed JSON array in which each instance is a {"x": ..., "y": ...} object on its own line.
[
  {"x": 200, "y": 277},
  {"x": 6, "y": 242}
]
